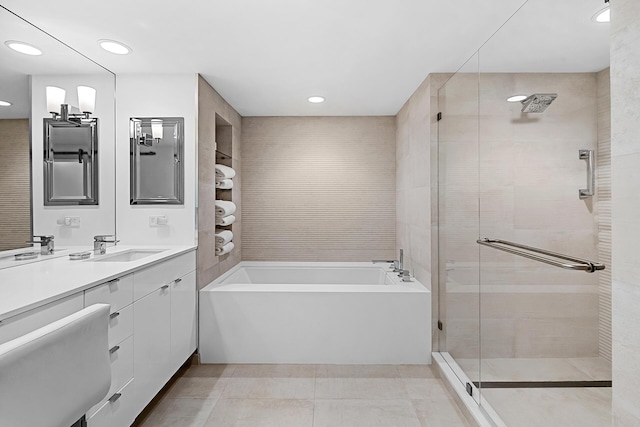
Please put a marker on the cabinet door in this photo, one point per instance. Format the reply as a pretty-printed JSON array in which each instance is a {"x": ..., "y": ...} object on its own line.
[
  {"x": 152, "y": 344},
  {"x": 183, "y": 319}
]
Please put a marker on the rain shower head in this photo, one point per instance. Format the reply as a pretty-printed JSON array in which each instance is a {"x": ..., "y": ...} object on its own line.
[{"x": 538, "y": 102}]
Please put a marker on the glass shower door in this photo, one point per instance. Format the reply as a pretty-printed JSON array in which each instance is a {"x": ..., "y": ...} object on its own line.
[{"x": 458, "y": 223}]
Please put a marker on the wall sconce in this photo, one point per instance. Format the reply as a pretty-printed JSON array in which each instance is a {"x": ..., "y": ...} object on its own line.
[
  {"x": 156, "y": 129},
  {"x": 60, "y": 110}
]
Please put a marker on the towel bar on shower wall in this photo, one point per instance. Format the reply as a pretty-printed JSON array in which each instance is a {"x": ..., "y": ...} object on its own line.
[{"x": 574, "y": 264}]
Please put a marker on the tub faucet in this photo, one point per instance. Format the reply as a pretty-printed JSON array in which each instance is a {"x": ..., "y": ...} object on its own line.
[
  {"x": 397, "y": 263},
  {"x": 46, "y": 244},
  {"x": 100, "y": 243},
  {"x": 401, "y": 261}
]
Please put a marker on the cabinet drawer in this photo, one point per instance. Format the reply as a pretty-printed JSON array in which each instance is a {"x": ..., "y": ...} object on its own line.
[
  {"x": 21, "y": 324},
  {"x": 149, "y": 279},
  {"x": 120, "y": 325},
  {"x": 117, "y": 292},
  {"x": 117, "y": 411},
  {"x": 121, "y": 357}
]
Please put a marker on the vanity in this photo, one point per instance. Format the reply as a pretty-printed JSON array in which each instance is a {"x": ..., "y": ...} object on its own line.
[{"x": 152, "y": 326}]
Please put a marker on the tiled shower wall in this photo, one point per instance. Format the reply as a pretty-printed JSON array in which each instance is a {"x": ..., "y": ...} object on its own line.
[
  {"x": 416, "y": 186},
  {"x": 211, "y": 103},
  {"x": 318, "y": 188},
  {"x": 625, "y": 158},
  {"x": 15, "y": 181},
  {"x": 527, "y": 172},
  {"x": 602, "y": 211}
]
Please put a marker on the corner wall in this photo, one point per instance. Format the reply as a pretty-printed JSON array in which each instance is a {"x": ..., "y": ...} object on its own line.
[
  {"x": 211, "y": 103},
  {"x": 625, "y": 158},
  {"x": 318, "y": 188}
]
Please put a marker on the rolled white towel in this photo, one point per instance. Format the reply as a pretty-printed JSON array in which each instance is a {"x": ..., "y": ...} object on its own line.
[
  {"x": 225, "y": 184},
  {"x": 222, "y": 250},
  {"x": 225, "y": 220},
  {"x": 225, "y": 208},
  {"x": 223, "y": 237},
  {"x": 224, "y": 172}
]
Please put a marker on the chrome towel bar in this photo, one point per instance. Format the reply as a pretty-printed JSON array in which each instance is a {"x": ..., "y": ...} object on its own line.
[{"x": 574, "y": 264}]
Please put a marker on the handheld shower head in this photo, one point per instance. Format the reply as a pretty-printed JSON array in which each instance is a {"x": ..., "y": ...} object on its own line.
[{"x": 538, "y": 102}]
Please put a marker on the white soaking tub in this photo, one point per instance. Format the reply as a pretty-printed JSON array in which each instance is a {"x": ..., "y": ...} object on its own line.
[{"x": 314, "y": 313}]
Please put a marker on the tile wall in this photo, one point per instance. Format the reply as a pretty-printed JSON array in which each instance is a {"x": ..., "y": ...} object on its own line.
[
  {"x": 211, "y": 103},
  {"x": 318, "y": 188},
  {"x": 625, "y": 158}
]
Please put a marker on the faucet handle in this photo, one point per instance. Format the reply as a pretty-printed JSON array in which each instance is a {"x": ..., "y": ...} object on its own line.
[
  {"x": 103, "y": 238},
  {"x": 43, "y": 238}
]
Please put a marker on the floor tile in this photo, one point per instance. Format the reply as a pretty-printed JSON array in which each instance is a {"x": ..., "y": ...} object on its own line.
[
  {"x": 425, "y": 388},
  {"x": 365, "y": 413},
  {"x": 357, "y": 371},
  {"x": 534, "y": 407},
  {"x": 275, "y": 371},
  {"x": 210, "y": 371},
  {"x": 198, "y": 387},
  {"x": 270, "y": 388},
  {"x": 439, "y": 412},
  {"x": 261, "y": 413},
  {"x": 417, "y": 371},
  {"x": 360, "y": 388},
  {"x": 180, "y": 412}
]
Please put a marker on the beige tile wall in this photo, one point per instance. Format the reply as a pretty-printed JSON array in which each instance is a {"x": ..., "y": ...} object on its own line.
[
  {"x": 525, "y": 172},
  {"x": 211, "y": 103},
  {"x": 318, "y": 188},
  {"x": 602, "y": 211},
  {"x": 625, "y": 152},
  {"x": 416, "y": 185},
  {"x": 15, "y": 184}
]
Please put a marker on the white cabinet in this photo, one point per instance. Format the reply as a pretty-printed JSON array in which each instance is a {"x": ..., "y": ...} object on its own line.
[
  {"x": 154, "y": 334},
  {"x": 183, "y": 319},
  {"x": 152, "y": 326}
]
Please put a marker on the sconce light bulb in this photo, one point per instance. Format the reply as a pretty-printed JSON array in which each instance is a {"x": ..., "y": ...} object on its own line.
[
  {"x": 55, "y": 98},
  {"x": 87, "y": 99},
  {"x": 156, "y": 129}
]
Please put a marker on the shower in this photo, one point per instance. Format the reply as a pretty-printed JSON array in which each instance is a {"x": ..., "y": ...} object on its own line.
[{"x": 538, "y": 102}]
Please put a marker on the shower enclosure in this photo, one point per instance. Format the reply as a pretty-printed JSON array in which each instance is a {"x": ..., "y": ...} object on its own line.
[{"x": 524, "y": 222}]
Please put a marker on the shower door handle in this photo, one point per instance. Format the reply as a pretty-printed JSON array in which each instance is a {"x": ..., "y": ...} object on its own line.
[{"x": 588, "y": 155}]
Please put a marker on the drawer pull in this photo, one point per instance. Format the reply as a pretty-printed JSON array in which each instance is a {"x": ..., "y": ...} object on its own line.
[
  {"x": 115, "y": 397},
  {"x": 114, "y": 349},
  {"x": 164, "y": 287},
  {"x": 114, "y": 315},
  {"x": 177, "y": 281}
]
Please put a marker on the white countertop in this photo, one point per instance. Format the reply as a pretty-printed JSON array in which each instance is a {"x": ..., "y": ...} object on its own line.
[{"x": 32, "y": 285}]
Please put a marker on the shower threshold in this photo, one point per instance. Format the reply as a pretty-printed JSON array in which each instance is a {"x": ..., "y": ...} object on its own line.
[{"x": 541, "y": 384}]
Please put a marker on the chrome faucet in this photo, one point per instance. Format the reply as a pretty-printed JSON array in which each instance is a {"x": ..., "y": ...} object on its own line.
[
  {"x": 46, "y": 244},
  {"x": 100, "y": 243},
  {"x": 397, "y": 263}
]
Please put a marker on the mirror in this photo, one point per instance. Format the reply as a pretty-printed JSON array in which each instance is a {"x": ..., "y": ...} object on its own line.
[
  {"x": 24, "y": 211},
  {"x": 70, "y": 163},
  {"x": 157, "y": 151}
]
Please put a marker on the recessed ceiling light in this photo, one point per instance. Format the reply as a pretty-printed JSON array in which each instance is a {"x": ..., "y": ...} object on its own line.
[
  {"x": 22, "y": 47},
  {"x": 4, "y": 103},
  {"x": 114, "y": 47},
  {"x": 603, "y": 16},
  {"x": 315, "y": 99},
  {"x": 517, "y": 98}
]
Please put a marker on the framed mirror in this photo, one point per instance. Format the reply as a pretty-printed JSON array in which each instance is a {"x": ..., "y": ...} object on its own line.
[
  {"x": 70, "y": 163},
  {"x": 157, "y": 166}
]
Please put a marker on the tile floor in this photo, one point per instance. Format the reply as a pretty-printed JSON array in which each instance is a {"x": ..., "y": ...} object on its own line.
[{"x": 306, "y": 395}]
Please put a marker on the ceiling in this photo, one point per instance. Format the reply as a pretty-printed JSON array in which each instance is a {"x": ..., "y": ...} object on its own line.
[{"x": 365, "y": 56}]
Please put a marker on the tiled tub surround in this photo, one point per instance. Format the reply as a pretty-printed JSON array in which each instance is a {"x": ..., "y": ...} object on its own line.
[
  {"x": 152, "y": 325},
  {"x": 346, "y": 313}
]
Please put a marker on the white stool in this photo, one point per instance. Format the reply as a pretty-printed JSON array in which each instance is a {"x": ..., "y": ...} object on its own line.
[{"x": 52, "y": 376}]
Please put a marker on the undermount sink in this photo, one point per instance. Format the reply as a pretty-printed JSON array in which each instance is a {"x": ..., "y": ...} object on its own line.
[{"x": 127, "y": 256}]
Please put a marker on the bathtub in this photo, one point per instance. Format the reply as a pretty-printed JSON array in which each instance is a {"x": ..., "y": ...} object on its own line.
[{"x": 314, "y": 313}]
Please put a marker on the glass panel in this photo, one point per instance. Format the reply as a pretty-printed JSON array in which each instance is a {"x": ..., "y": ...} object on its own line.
[
  {"x": 540, "y": 323},
  {"x": 458, "y": 221}
]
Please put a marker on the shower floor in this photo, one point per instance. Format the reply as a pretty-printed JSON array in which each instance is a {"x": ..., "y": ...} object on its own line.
[{"x": 547, "y": 369}]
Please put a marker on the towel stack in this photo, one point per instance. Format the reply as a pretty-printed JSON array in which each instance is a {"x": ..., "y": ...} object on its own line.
[{"x": 224, "y": 210}]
